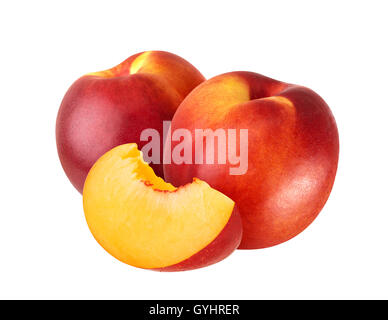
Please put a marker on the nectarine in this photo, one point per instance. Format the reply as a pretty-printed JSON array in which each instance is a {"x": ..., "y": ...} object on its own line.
[
  {"x": 104, "y": 109},
  {"x": 292, "y": 154},
  {"x": 148, "y": 223}
]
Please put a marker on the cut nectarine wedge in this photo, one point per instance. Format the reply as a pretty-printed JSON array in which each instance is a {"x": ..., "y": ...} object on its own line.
[{"x": 148, "y": 223}]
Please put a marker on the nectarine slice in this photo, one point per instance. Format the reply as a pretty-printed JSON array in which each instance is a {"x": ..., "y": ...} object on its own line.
[{"x": 148, "y": 223}]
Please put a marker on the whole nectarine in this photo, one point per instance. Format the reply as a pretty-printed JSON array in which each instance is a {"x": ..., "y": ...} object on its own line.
[
  {"x": 292, "y": 142},
  {"x": 104, "y": 109}
]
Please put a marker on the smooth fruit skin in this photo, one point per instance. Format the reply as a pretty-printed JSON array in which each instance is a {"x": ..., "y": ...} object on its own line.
[
  {"x": 292, "y": 154},
  {"x": 104, "y": 109}
]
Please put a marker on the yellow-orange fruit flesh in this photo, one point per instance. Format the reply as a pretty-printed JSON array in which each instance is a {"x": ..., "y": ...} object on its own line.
[{"x": 148, "y": 223}]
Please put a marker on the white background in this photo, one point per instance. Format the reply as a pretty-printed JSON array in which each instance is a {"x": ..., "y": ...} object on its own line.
[{"x": 337, "y": 48}]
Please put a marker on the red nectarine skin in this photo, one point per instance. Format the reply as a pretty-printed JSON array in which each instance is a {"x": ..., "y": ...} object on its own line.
[
  {"x": 104, "y": 109},
  {"x": 220, "y": 248},
  {"x": 292, "y": 157}
]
